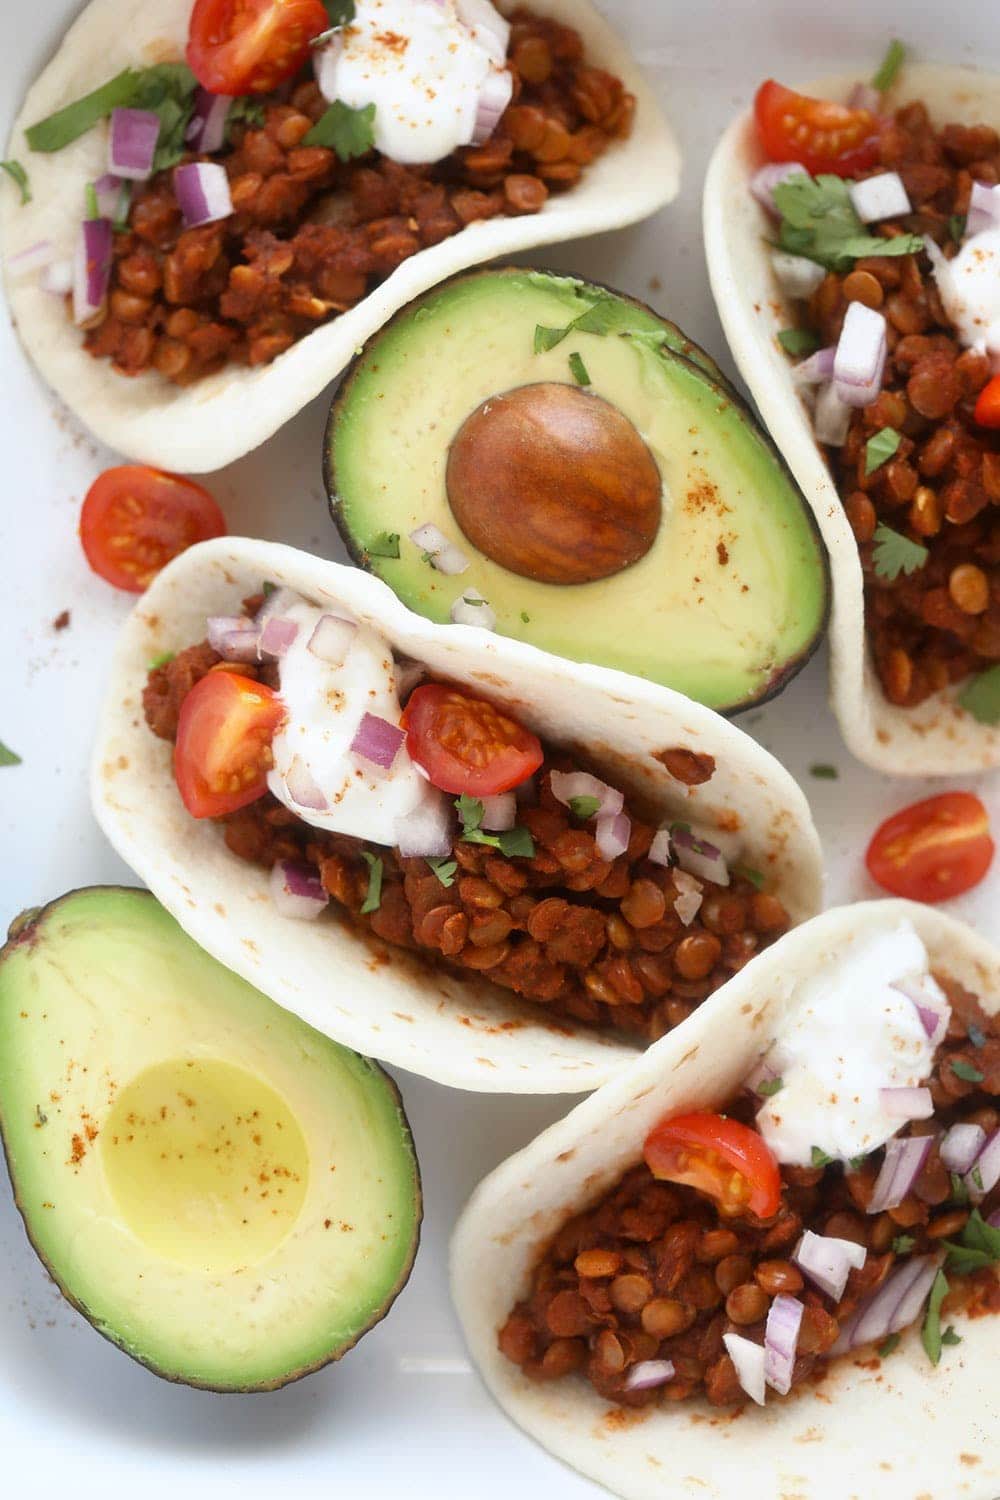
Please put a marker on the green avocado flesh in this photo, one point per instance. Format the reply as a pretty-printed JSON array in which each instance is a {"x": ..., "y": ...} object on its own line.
[
  {"x": 730, "y": 598},
  {"x": 227, "y": 1195}
]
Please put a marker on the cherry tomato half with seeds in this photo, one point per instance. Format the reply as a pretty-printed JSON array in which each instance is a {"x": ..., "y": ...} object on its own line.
[
  {"x": 223, "y": 750},
  {"x": 987, "y": 409},
  {"x": 721, "y": 1158},
  {"x": 934, "y": 849},
  {"x": 135, "y": 520},
  {"x": 466, "y": 744},
  {"x": 250, "y": 46},
  {"x": 823, "y": 136}
]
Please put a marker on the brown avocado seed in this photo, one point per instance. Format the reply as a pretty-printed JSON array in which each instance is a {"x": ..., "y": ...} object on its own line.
[{"x": 554, "y": 484}]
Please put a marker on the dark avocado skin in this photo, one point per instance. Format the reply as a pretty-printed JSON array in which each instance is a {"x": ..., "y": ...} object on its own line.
[
  {"x": 24, "y": 931},
  {"x": 681, "y": 345}
]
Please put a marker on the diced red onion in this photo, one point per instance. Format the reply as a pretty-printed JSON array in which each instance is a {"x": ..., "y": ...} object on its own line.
[
  {"x": 57, "y": 278},
  {"x": 302, "y": 786},
  {"x": 427, "y": 832},
  {"x": 297, "y": 890},
  {"x": 132, "y": 143},
  {"x": 781, "y": 1338},
  {"x": 748, "y": 1362},
  {"x": 907, "y": 1103},
  {"x": 494, "y": 97},
  {"x": 566, "y": 785},
  {"x": 112, "y": 194},
  {"x": 500, "y": 812},
  {"x": 91, "y": 269},
  {"x": 277, "y": 602},
  {"x": 960, "y": 1146},
  {"x": 377, "y": 740},
  {"x": 331, "y": 639},
  {"x": 206, "y": 131},
  {"x": 699, "y": 857},
  {"x": 661, "y": 850},
  {"x": 276, "y": 637},
  {"x": 865, "y": 96},
  {"x": 984, "y": 209},
  {"x": 933, "y": 1010},
  {"x": 444, "y": 555},
  {"x": 764, "y": 182},
  {"x": 611, "y": 834},
  {"x": 859, "y": 362},
  {"x": 797, "y": 276},
  {"x": 34, "y": 258},
  {"x": 202, "y": 191},
  {"x": 880, "y": 197},
  {"x": 234, "y": 637},
  {"x": 828, "y": 1261},
  {"x": 984, "y": 1173},
  {"x": 903, "y": 1163},
  {"x": 816, "y": 369},
  {"x": 488, "y": 27},
  {"x": 894, "y": 1306},
  {"x": 687, "y": 902},
  {"x": 467, "y": 611},
  {"x": 648, "y": 1374},
  {"x": 831, "y": 418}
]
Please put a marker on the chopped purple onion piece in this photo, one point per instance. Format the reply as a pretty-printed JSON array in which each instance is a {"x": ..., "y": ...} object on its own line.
[{"x": 377, "y": 740}]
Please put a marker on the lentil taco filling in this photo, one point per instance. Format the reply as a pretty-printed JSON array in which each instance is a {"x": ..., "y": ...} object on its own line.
[{"x": 436, "y": 822}]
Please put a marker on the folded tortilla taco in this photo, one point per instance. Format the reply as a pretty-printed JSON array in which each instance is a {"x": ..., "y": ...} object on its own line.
[
  {"x": 191, "y": 268},
  {"x": 445, "y": 848},
  {"x": 885, "y": 417},
  {"x": 787, "y": 1212}
]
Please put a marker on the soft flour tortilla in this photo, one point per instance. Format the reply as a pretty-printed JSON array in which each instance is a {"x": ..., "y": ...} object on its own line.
[
  {"x": 218, "y": 419},
  {"x": 460, "y": 1031},
  {"x": 903, "y": 1430},
  {"x": 938, "y": 737}
]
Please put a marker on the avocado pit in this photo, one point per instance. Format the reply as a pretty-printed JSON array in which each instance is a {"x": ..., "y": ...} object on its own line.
[{"x": 554, "y": 484}]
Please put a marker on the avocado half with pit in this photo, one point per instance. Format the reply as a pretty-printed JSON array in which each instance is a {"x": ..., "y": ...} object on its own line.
[
  {"x": 224, "y": 1193},
  {"x": 614, "y": 499}
]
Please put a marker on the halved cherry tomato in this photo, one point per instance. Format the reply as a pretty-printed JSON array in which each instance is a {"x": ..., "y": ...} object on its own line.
[
  {"x": 465, "y": 744},
  {"x": 823, "y": 136},
  {"x": 934, "y": 849},
  {"x": 223, "y": 750},
  {"x": 721, "y": 1158},
  {"x": 987, "y": 412},
  {"x": 134, "y": 520},
  {"x": 250, "y": 46}
]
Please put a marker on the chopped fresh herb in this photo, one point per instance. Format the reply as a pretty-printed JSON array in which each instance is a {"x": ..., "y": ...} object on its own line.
[
  {"x": 516, "y": 842},
  {"x": 950, "y": 1336},
  {"x": 167, "y": 89},
  {"x": 525, "y": 617},
  {"x": 41, "y": 1118},
  {"x": 578, "y": 369},
  {"x": 513, "y": 841},
  {"x": 90, "y": 198},
  {"x": 976, "y": 1036},
  {"x": 746, "y": 872},
  {"x": 584, "y": 807},
  {"x": 339, "y": 11},
  {"x": 895, "y": 554},
  {"x": 246, "y": 110},
  {"x": 956, "y": 227},
  {"x": 818, "y": 220},
  {"x": 772, "y": 1086},
  {"x": 977, "y": 1178},
  {"x": 476, "y": 603},
  {"x": 602, "y": 317},
  {"x": 161, "y": 660},
  {"x": 120, "y": 221},
  {"x": 959, "y": 1191},
  {"x": 66, "y": 125},
  {"x": 349, "y": 132},
  {"x": 18, "y": 175},
  {"x": 930, "y": 1334},
  {"x": 962, "y": 1069},
  {"x": 470, "y": 810},
  {"x": 823, "y": 772},
  {"x": 548, "y": 338},
  {"x": 373, "y": 897},
  {"x": 268, "y": 588},
  {"x": 444, "y": 869},
  {"x": 890, "y": 1346},
  {"x": 856, "y": 1162},
  {"x": 428, "y": 557},
  {"x": 680, "y": 828},
  {"x": 880, "y": 447},
  {"x": 889, "y": 66},
  {"x": 798, "y": 340},
  {"x": 386, "y": 544},
  {"x": 818, "y": 1157},
  {"x": 8, "y": 757},
  {"x": 903, "y": 1244},
  {"x": 981, "y": 696},
  {"x": 978, "y": 1246}
]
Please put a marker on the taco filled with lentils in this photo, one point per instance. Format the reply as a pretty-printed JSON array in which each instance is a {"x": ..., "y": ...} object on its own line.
[{"x": 559, "y": 863}]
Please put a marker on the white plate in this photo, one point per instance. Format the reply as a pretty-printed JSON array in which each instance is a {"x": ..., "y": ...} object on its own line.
[{"x": 401, "y": 1414}]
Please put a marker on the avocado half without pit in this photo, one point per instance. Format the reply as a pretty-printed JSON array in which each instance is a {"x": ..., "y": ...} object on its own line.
[
  {"x": 227, "y": 1195},
  {"x": 614, "y": 499}
]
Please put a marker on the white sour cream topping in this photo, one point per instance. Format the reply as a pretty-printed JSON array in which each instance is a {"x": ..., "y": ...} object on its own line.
[
  {"x": 423, "y": 70},
  {"x": 847, "y": 1035},
  {"x": 325, "y": 705},
  {"x": 969, "y": 285}
]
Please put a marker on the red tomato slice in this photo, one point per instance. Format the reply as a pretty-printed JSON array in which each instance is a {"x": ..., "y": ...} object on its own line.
[
  {"x": 223, "y": 750},
  {"x": 721, "y": 1158},
  {"x": 465, "y": 744},
  {"x": 134, "y": 520},
  {"x": 987, "y": 412},
  {"x": 934, "y": 849},
  {"x": 823, "y": 136},
  {"x": 250, "y": 46}
]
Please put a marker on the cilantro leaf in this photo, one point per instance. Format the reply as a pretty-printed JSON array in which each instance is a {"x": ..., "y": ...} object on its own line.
[
  {"x": 584, "y": 807},
  {"x": 161, "y": 660},
  {"x": 959, "y": 1191},
  {"x": 578, "y": 369},
  {"x": 890, "y": 1346},
  {"x": 880, "y": 447},
  {"x": 8, "y": 757},
  {"x": 755, "y": 877},
  {"x": 268, "y": 588},
  {"x": 930, "y": 1334},
  {"x": 339, "y": 11},
  {"x": 512, "y": 842},
  {"x": 818, "y": 220},
  {"x": 890, "y": 65},
  {"x": 798, "y": 340},
  {"x": 981, "y": 696},
  {"x": 525, "y": 617},
  {"x": 516, "y": 843},
  {"x": 772, "y": 1086},
  {"x": 962, "y": 1069},
  {"x": 956, "y": 227},
  {"x": 385, "y": 544},
  {"x": 90, "y": 200},
  {"x": 895, "y": 554},
  {"x": 903, "y": 1244},
  {"x": 349, "y": 132},
  {"x": 606, "y": 315},
  {"x": 18, "y": 175},
  {"x": 547, "y": 338},
  {"x": 245, "y": 110},
  {"x": 470, "y": 810},
  {"x": 823, "y": 772},
  {"x": 444, "y": 869},
  {"x": 373, "y": 897},
  {"x": 856, "y": 1162},
  {"x": 979, "y": 1246},
  {"x": 977, "y": 1178},
  {"x": 950, "y": 1336},
  {"x": 818, "y": 1157}
]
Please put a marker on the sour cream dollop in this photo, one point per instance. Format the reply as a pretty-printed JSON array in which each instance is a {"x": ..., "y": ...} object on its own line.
[
  {"x": 847, "y": 1034},
  {"x": 969, "y": 286},
  {"x": 426, "y": 65},
  {"x": 324, "y": 706}
]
